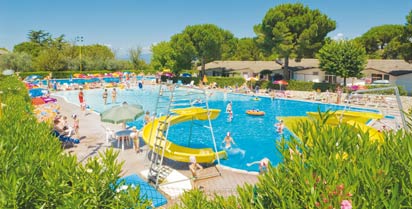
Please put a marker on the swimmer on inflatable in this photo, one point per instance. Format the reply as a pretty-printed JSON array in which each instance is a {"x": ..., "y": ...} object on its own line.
[{"x": 228, "y": 141}]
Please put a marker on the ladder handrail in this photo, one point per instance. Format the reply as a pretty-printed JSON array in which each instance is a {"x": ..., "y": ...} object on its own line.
[{"x": 162, "y": 129}]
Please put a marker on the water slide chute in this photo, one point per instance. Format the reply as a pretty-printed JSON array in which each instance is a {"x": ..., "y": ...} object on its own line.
[{"x": 177, "y": 152}]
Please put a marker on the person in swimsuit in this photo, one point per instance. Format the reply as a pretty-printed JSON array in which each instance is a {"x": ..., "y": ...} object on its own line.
[
  {"x": 82, "y": 101},
  {"x": 135, "y": 137},
  {"x": 228, "y": 141},
  {"x": 229, "y": 107},
  {"x": 263, "y": 165},
  {"x": 279, "y": 126},
  {"x": 114, "y": 95},
  {"x": 105, "y": 94},
  {"x": 76, "y": 125},
  {"x": 147, "y": 118},
  {"x": 194, "y": 166}
]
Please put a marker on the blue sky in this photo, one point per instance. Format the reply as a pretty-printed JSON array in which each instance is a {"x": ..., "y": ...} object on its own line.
[{"x": 123, "y": 24}]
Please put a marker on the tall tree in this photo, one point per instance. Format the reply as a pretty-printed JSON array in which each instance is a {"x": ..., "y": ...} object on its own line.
[
  {"x": 293, "y": 30},
  {"x": 406, "y": 48},
  {"x": 184, "y": 51},
  {"x": 163, "y": 56},
  {"x": 342, "y": 58},
  {"x": 97, "y": 51},
  {"x": 50, "y": 60},
  {"x": 31, "y": 48},
  {"x": 136, "y": 59},
  {"x": 229, "y": 45},
  {"x": 376, "y": 39},
  {"x": 248, "y": 50},
  {"x": 206, "y": 41},
  {"x": 16, "y": 61},
  {"x": 39, "y": 36}
]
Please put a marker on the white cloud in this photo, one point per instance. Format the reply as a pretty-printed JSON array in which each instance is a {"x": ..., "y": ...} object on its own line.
[
  {"x": 147, "y": 49},
  {"x": 108, "y": 45},
  {"x": 338, "y": 36}
]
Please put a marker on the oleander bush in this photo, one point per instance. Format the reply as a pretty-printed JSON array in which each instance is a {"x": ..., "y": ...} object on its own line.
[
  {"x": 35, "y": 172},
  {"x": 333, "y": 164}
]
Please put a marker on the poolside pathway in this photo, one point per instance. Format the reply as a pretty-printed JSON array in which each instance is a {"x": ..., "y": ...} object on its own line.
[{"x": 93, "y": 140}]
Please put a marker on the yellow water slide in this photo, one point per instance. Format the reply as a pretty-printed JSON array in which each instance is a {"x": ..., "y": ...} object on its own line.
[
  {"x": 177, "y": 152},
  {"x": 343, "y": 116},
  {"x": 356, "y": 119}
]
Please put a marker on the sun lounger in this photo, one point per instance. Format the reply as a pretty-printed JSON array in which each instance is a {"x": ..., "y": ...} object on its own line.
[{"x": 65, "y": 139}]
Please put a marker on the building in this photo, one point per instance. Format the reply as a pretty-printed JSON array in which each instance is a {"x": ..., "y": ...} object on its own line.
[{"x": 398, "y": 72}]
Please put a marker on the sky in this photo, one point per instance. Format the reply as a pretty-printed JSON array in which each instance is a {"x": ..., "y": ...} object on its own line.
[{"x": 126, "y": 24}]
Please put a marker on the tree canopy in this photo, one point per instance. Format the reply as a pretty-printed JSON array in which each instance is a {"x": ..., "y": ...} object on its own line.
[
  {"x": 247, "y": 49},
  {"x": 406, "y": 48},
  {"x": 57, "y": 54},
  {"x": 293, "y": 30},
  {"x": 135, "y": 58},
  {"x": 381, "y": 41},
  {"x": 203, "y": 43},
  {"x": 163, "y": 56},
  {"x": 342, "y": 58}
]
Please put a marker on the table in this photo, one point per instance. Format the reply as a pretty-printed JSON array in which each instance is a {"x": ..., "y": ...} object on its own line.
[{"x": 122, "y": 136}]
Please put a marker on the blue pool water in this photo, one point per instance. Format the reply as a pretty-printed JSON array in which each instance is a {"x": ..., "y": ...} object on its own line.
[{"x": 255, "y": 136}]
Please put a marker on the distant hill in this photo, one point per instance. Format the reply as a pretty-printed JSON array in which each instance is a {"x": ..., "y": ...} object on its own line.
[{"x": 145, "y": 57}]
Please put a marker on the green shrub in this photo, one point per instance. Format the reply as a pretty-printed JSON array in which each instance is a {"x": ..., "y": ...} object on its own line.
[
  {"x": 401, "y": 89},
  {"x": 300, "y": 85},
  {"x": 36, "y": 173}
]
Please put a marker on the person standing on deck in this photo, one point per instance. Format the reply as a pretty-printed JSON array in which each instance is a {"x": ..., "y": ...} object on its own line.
[
  {"x": 114, "y": 95},
  {"x": 81, "y": 100}
]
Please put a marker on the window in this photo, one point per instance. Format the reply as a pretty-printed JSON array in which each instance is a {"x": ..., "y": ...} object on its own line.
[
  {"x": 315, "y": 73},
  {"x": 386, "y": 77},
  {"x": 330, "y": 78},
  {"x": 376, "y": 77}
]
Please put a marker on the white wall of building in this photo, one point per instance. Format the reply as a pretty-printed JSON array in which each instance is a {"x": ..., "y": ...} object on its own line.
[{"x": 406, "y": 82}]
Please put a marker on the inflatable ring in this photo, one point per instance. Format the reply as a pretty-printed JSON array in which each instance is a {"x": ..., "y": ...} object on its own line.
[{"x": 255, "y": 112}]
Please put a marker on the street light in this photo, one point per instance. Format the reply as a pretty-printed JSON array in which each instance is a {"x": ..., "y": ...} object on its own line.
[{"x": 79, "y": 39}]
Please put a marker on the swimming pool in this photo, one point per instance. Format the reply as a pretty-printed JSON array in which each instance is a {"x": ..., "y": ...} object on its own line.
[{"x": 255, "y": 136}]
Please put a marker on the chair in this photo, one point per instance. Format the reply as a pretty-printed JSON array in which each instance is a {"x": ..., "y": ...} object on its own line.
[
  {"x": 109, "y": 134},
  {"x": 191, "y": 84},
  {"x": 65, "y": 139}
]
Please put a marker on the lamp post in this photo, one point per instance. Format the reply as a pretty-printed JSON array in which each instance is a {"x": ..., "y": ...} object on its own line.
[{"x": 79, "y": 39}]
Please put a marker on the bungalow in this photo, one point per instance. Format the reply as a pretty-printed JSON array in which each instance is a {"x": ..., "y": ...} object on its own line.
[{"x": 398, "y": 72}]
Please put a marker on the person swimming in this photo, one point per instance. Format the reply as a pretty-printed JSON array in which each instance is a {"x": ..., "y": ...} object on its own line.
[
  {"x": 229, "y": 107},
  {"x": 263, "y": 164},
  {"x": 228, "y": 141},
  {"x": 279, "y": 127}
]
